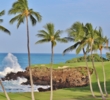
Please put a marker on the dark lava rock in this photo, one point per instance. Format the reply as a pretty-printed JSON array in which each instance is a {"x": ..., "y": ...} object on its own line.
[{"x": 62, "y": 78}]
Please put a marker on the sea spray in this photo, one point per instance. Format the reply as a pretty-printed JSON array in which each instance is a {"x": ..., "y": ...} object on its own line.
[{"x": 10, "y": 64}]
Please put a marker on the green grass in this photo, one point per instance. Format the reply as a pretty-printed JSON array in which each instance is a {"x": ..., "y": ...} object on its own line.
[
  {"x": 78, "y": 93},
  {"x": 61, "y": 65}
]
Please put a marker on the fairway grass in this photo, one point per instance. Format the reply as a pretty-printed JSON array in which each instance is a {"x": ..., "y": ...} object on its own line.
[{"x": 77, "y": 93}]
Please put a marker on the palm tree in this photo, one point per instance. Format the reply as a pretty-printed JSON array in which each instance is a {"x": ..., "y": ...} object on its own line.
[
  {"x": 102, "y": 43},
  {"x": 21, "y": 8},
  {"x": 77, "y": 34},
  {"x": 50, "y": 35},
  {"x": 92, "y": 36},
  {"x": 6, "y": 31}
]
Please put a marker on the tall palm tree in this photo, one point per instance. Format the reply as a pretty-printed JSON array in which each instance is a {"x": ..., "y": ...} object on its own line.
[
  {"x": 20, "y": 7},
  {"x": 6, "y": 31},
  {"x": 77, "y": 34},
  {"x": 92, "y": 36},
  {"x": 50, "y": 35},
  {"x": 102, "y": 43}
]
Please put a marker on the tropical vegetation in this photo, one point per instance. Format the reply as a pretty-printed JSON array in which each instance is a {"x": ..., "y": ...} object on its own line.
[
  {"x": 108, "y": 56},
  {"x": 85, "y": 39},
  {"x": 85, "y": 36},
  {"x": 97, "y": 58}
]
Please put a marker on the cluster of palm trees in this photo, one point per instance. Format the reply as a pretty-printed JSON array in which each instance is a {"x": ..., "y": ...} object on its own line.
[
  {"x": 88, "y": 40},
  {"x": 84, "y": 36}
]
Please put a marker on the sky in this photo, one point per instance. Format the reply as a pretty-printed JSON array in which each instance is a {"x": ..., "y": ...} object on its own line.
[{"x": 62, "y": 13}]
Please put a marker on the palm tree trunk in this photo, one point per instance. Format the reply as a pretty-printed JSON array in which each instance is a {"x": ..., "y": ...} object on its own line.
[
  {"x": 103, "y": 74},
  {"x": 4, "y": 90},
  {"x": 51, "y": 77},
  {"x": 90, "y": 82},
  {"x": 29, "y": 61},
  {"x": 98, "y": 81}
]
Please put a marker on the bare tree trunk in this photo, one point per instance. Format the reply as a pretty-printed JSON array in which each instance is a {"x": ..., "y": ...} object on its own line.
[
  {"x": 51, "y": 77},
  {"x": 104, "y": 74},
  {"x": 29, "y": 61},
  {"x": 90, "y": 82},
  {"x": 98, "y": 81},
  {"x": 4, "y": 90}
]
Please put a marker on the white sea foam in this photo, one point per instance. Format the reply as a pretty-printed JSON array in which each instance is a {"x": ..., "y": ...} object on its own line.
[
  {"x": 15, "y": 86},
  {"x": 10, "y": 64}
]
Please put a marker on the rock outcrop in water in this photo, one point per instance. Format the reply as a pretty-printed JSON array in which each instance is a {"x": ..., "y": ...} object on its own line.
[{"x": 62, "y": 78}]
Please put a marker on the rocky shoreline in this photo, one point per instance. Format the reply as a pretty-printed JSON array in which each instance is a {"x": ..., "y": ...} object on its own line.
[{"x": 62, "y": 78}]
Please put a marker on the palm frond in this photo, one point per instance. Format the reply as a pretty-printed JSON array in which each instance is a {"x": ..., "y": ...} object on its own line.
[
  {"x": 2, "y": 12},
  {"x": 42, "y": 41},
  {"x": 16, "y": 18},
  {"x": 20, "y": 20},
  {"x": 33, "y": 20},
  {"x": 43, "y": 32},
  {"x": 95, "y": 47},
  {"x": 43, "y": 36},
  {"x": 58, "y": 33},
  {"x": 71, "y": 48},
  {"x": 71, "y": 39},
  {"x": 89, "y": 27},
  {"x": 4, "y": 30},
  {"x": 50, "y": 28},
  {"x": 25, "y": 2},
  {"x": 15, "y": 4},
  {"x": 15, "y": 11},
  {"x": 76, "y": 31},
  {"x": 79, "y": 48},
  {"x": 36, "y": 14},
  {"x": 21, "y": 5},
  {"x": 62, "y": 40},
  {"x": 1, "y": 20},
  {"x": 100, "y": 31}
]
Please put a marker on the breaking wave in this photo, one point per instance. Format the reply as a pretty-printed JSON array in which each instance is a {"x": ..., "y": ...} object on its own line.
[{"x": 10, "y": 64}]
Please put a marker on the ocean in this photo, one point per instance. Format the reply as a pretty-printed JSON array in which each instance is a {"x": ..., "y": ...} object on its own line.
[{"x": 14, "y": 62}]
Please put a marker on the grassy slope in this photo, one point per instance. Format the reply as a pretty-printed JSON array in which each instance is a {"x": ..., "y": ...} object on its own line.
[{"x": 79, "y": 93}]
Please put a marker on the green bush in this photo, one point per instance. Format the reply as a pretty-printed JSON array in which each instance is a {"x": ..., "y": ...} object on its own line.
[
  {"x": 97, "y": 58},
  {"x": 108, "y": 56}
]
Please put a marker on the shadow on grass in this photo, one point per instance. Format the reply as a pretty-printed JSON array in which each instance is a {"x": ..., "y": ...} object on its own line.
[
  {"x": 26, "y": 95},
  {"x": 94, "y": 85},
  {"x": 87, "y": 89},
  {"x": 2, "y": 95}
]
